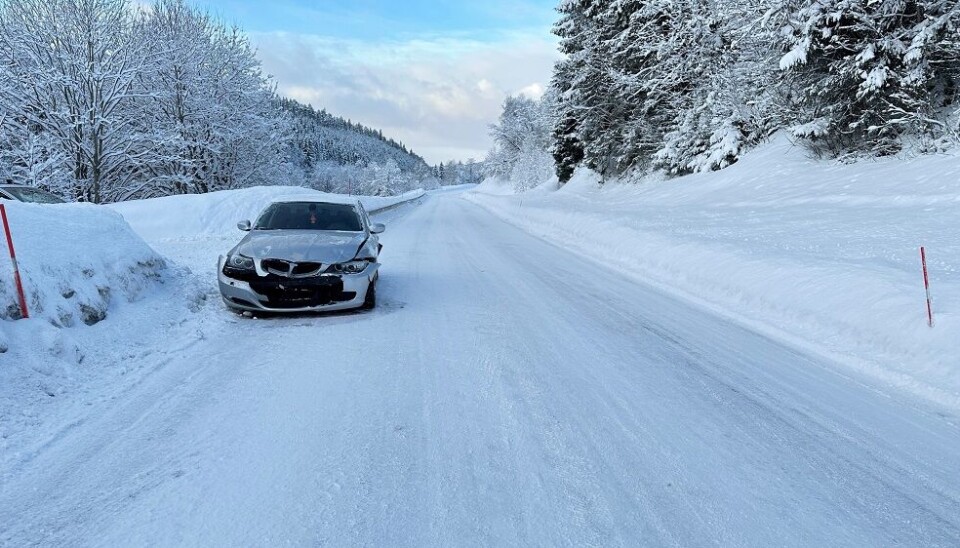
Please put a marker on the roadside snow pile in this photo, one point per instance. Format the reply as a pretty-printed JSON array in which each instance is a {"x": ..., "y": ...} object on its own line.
[
  {"x": 203, "y": 215},
  {"x": 499, "y": 187},
  {"x": 75, "y": 261},
  {"x": 81, "y": 264},
  {"x": 822, "y": 254}
]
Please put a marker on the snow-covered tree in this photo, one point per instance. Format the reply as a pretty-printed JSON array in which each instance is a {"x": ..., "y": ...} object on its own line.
[
  {"x": 635, "y": 81},
  {"x": 522, "y": 138},
  {"x": 32, "y": 158},
  {"x": 689, "y": 85},
  {"x": 588, "y": 112},
  {"x": 69, "y": 70},
  {"x": 456, "y": 172},
  {"x": 865, "y": 73},
  {"x": 726, "y": 99},
  {"x": 211, "y": 120}
]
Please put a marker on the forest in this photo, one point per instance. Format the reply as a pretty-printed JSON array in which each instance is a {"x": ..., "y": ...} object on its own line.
[{"x": 683, "y": 86}]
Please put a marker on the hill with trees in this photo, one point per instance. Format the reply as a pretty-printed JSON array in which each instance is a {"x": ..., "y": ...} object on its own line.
[{"x": 111, "y": 100}]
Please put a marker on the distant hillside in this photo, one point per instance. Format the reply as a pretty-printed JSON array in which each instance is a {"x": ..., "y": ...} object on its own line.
[{"x": 324, "y": 143}]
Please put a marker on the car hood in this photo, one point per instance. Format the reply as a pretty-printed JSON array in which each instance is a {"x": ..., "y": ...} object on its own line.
[{"x": 301, "y": 245}]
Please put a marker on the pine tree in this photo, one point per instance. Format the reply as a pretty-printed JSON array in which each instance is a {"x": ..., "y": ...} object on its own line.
[
  {"x": 573, "y": 29},
  {"x": 725, "y": 100},
  {"x": 866, "y": 73}
]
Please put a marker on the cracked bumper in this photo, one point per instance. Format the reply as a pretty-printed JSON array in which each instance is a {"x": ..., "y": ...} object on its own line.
[{"x": 239, "y": 295}]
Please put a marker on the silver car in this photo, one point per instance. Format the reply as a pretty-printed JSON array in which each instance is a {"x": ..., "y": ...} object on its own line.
[{"x": 304, "y": 255}]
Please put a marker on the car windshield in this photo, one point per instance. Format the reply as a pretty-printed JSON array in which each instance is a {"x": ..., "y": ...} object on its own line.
[
  {"x": 309, "y": 216},
  {"x": 33, "y": 195}
]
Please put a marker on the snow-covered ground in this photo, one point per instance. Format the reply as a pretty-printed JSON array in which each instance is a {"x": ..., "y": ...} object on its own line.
[
  {"x": 824, "y": 255},
  {"x": 505, "y": 392},
  {"x": 83, "y": 270}
]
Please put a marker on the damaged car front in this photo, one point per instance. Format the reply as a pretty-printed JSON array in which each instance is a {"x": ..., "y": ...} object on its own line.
[{"x": 303, "y": 255}]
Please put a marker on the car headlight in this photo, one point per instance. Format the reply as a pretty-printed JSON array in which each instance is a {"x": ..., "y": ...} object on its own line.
[
  {"x": 351, "y": 267},
  {"x": 240, "y": 262}
]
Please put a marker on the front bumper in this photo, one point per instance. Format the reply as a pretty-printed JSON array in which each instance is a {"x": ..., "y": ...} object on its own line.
[{"x": 292, "y": 296}]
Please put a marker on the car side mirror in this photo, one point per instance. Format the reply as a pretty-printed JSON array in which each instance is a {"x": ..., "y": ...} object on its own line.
[
  {"x": 244, "y": 226},
  {"x": 377, "y": 228}
]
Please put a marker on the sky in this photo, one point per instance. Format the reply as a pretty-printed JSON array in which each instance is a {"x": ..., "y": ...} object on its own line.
[{"x": 430, "y": 73}]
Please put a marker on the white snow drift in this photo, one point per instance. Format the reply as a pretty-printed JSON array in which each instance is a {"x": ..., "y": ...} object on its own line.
[
  {"x": 75, "y": 260},
  {"x": 81, "y": 265}
]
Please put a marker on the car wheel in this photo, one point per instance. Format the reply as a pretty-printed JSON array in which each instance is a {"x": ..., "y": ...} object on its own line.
[{"x": 370, "y": 301}]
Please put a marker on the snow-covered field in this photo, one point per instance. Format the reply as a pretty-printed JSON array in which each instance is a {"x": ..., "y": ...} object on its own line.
[{"x": 823, "y": 255}]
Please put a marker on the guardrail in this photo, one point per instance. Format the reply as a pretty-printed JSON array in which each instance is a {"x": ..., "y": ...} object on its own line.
[{"x": 414, "y": 195}]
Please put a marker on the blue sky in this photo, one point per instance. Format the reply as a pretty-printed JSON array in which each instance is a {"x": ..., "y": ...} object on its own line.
[
  {"x": 428, "y": 72},
  {"x": 374, "y": 19}
]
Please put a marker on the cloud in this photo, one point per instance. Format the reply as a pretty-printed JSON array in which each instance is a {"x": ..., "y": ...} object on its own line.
[
  {"x": 438, "y": 94},
  {"x": 533, "y": 91}
]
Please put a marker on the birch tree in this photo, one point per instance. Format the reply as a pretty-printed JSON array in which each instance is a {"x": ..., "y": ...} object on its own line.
[{"x": 70, "y": 68}]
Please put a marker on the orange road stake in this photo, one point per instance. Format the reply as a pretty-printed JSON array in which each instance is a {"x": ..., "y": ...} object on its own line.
[
  {"x": 13, "y": 258},
  {"x": 926, "y": 285}
]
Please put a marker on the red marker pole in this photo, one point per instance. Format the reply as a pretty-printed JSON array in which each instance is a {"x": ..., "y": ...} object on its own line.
[
  {"x": 926, "y": 285},
  {"x": 13, "y": 258}
]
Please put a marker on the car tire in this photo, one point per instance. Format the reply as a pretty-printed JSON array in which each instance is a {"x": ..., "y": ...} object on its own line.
[{"x": 370, "y": 301}]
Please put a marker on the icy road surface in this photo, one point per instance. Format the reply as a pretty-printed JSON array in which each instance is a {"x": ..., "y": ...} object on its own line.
[{"x": 505, "y": 393}]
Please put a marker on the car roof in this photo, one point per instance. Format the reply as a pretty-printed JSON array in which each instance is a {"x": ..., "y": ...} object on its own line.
[{"x": 326, "y": 199}]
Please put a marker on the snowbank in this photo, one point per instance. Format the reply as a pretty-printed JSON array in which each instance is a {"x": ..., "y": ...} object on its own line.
[
  {"x": 203, "y": 215},
  {"x": 81, "y": 266},
  {"x": 822, "y": 254},
  {"x": 500, "y": 187},
  {"x": 75, "y": 260},
  {"x": 496, "y": 186}
]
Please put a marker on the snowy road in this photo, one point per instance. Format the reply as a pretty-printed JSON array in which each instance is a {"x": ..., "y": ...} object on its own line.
[{"x": 506, "y": 392}]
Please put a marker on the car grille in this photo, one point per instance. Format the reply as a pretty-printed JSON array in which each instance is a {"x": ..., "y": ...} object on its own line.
[
  {"x": 301, "y": 293},
  {"x": 281, "y": 267}
]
